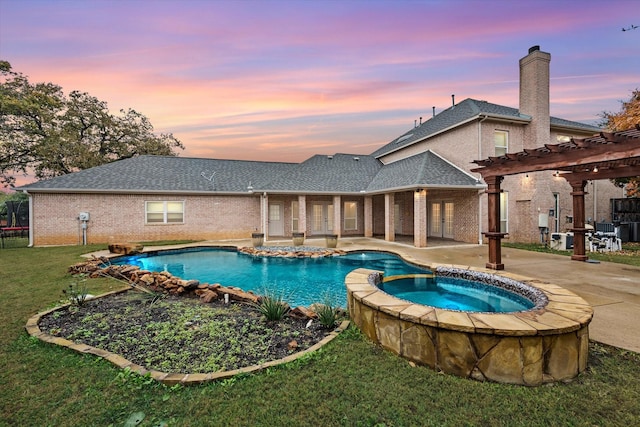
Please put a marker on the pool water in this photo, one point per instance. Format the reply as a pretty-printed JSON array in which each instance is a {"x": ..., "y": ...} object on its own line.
[
  {"x": 456, "y": 294},
  {"x": 300, "y": 281}
]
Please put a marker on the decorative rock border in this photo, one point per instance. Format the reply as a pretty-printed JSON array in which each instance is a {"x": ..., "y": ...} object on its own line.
[
  {"x": 291, "y": 252},
  {"x": 166, "y": 378},
  {"x": 548, "y": 343}
]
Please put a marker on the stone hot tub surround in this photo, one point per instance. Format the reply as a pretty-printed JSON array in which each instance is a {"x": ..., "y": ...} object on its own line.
[{"x": 546, "y": 344}]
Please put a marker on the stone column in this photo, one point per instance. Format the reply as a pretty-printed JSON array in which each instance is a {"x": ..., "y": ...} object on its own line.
[
  {"x": 579, "y": 250},
  {"x": 389, "y": 218},
  {"x": 494, "y": 235},
  {"x": 420, "y": 218},
  {"x": 368, "y": 216}
]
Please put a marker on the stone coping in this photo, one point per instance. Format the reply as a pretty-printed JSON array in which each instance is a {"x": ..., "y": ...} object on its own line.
[
  {"x": 563, "y": 312},
  {"x": 167, "y": 378}
]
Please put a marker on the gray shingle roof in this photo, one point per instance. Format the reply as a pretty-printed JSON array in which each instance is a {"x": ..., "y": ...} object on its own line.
[
  {"x": 340, "y": 173},
  {"x": 451, "y": 117},
  {"x": 459, "y": 114},
  {"x": 555, "y": 121},
  {"x": 168, "y": 174},
  {"x": 422, "y": 170}
]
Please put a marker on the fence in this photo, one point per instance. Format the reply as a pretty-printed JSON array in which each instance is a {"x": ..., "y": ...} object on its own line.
[{"x": 14, "y": 237}]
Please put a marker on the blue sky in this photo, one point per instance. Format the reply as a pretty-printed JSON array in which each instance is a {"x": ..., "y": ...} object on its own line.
[{"x": 283, "y": 80}]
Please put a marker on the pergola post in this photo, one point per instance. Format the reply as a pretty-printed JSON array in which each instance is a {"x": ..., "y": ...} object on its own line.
[
  {"x": 494, "y": 235},
  {"x": 579, "y": 250}
]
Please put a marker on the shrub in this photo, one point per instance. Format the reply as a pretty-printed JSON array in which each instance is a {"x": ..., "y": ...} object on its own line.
[
  {"x": 327, "y": 314},
  {"x": 272, "y": 307},
  {"x": 77, "y": 291}
]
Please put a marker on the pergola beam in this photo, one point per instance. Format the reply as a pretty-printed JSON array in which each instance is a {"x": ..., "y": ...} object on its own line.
[{"x": 608, "y": 155}]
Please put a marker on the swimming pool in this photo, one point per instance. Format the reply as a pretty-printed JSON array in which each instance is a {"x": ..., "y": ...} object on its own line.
[
  {"x": 455, "y": 294},
  {"x": 300, "y": 281}
]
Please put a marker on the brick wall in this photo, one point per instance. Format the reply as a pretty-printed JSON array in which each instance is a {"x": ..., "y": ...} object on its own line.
[{"x": 122, "y": 218}]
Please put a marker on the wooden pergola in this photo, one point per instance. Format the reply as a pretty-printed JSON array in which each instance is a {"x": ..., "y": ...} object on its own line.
[{"x": 605, "y": 156}]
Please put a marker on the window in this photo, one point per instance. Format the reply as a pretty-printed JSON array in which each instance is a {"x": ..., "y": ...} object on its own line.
[
  {"x": 501, "y": 142},
  {"x": 295, "y": 214},
  {"x": 563, "y": 138},
  {"x": 504, "y": 212},
  {"x": 164, "y": 212},
  {"x": 350, "y": 216}
]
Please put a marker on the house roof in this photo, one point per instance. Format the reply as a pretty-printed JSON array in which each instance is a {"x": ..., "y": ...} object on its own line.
[
  {"x": 339, "y": 173},
  {"x": 426, "y": 169},
  {"x": 336, "y": 174},
  {"x": 463, "y": 112},
  {"x": 167, "y": 174}
]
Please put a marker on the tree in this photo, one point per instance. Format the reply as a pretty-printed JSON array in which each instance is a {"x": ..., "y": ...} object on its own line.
[
  {"x": 48, "y": 134},
  {"x": 628, "y": 117}
]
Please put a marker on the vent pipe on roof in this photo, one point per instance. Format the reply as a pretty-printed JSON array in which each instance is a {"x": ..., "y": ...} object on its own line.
[
  {"x": 420, "y": 120},
  {"x": 453, "y": 100},
  {"x": 415, "y": 123},
  {"x": 434, "y": 111}
]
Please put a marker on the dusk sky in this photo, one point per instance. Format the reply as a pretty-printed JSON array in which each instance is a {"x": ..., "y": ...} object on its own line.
[{"x": 283, "y": 80}]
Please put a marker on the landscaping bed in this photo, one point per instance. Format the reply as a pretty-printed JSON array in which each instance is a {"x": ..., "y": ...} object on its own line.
[{"x": 180, "y": 334}]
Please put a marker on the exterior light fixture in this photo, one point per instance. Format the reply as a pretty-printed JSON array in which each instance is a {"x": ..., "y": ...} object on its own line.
[{"x": 595, "y": 169}]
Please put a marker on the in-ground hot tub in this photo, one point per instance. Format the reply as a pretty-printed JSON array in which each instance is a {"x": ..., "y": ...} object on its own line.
[{"x": 545, "y": 344}]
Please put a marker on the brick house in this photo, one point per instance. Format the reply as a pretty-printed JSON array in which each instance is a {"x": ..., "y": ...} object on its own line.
[{"x": 418, "y": 185}]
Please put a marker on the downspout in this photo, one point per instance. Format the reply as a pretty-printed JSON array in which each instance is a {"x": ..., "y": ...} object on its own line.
[
  {"x": 480, "y": 193},
  {"x": 30, "y": 218}
]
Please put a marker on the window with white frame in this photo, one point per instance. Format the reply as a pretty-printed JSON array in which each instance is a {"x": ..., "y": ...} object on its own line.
[
  {"x": 164, "y": 212},
  {"x": 295, "y": 215},
  {"x": 501, "y": 142},
  {"x": 504, "y": 212},
  {"x": 350, "y": 216}
]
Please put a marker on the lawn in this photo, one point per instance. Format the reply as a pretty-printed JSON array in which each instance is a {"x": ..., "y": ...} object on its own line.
[{"x": 350, "y": 382}]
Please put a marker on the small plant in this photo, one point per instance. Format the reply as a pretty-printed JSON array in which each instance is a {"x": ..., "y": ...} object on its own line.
[
  {"x": 272, "y": 307},
  {"x": 77, "y": 291},
  {"x": 327, "y": 314}
]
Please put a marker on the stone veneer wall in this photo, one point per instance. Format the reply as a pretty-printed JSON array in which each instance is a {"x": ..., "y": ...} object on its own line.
[{"x": 546, "y": 344}]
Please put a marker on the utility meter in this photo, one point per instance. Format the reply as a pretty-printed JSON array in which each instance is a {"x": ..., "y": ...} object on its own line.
[{"x": 83, "y": 216}]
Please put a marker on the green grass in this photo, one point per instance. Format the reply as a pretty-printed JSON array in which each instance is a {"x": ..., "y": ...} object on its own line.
[
  {"x": 350, "y": 382},
  {"x": 630, "y": 253}
]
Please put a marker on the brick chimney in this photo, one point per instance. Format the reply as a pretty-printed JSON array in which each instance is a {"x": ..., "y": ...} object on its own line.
[{"x": 534, "y": 96}]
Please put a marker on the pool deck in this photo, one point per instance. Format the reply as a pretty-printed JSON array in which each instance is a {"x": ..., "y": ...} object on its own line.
[{"x": 612, "y": 289}]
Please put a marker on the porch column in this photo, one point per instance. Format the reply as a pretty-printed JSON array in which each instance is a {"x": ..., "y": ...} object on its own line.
[
  {"x": 389, "y": 218},
  {"x": 579, "y": 250},
  {"x": 494, "y": 235},
  {"x": 368, "y": 216},
  {"x": 337, "y": 215},
  {"x": 420, "y": 218},
  {"x": 265, "y": 216},
  {"x": 302, "y": 214}
]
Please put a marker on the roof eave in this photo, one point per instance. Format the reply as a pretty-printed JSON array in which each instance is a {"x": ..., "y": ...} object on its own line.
[
  {"x": 125, "y": 191},
  {"x": 500, "y": 117}
]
